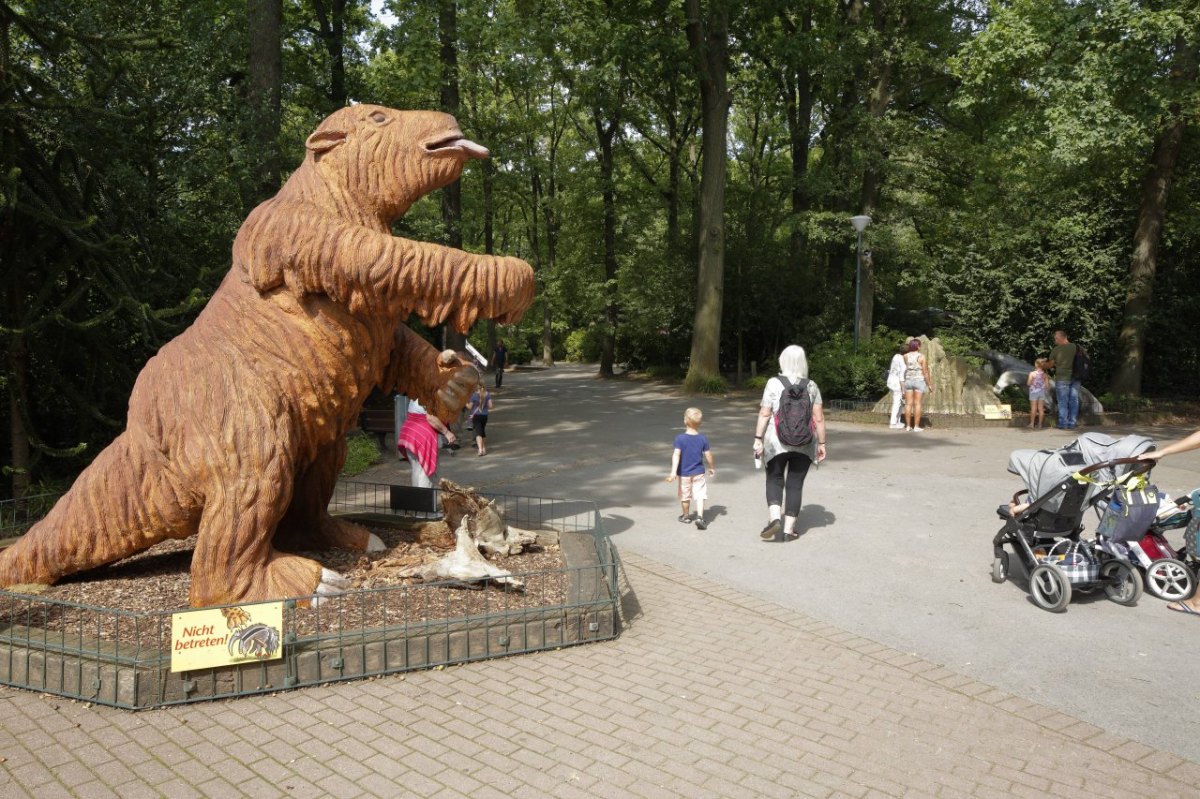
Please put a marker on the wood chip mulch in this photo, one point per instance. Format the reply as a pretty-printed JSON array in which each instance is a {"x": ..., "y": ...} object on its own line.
[{"x": 158, "y": 579}]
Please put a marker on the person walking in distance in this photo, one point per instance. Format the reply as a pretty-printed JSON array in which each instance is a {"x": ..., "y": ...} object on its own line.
[
  {"x": 1066, "y": 387},
  {"x": 789, "y": 434},
  {"x": 480, "y": 408},
  {"x": 499, "y": 361}
]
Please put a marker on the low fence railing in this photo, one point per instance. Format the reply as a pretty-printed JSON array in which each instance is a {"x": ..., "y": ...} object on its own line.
[{"x": 122, "y": 658}]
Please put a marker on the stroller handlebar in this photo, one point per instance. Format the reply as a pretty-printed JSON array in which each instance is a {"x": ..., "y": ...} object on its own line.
[{"x": 1140, "y": 466}]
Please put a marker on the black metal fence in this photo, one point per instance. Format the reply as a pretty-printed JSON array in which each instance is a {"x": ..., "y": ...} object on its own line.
[{"x": 123, "y": 658}]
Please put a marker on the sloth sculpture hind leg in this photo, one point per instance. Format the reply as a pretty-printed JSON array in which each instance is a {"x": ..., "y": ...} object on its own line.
[
  {"x": 126, "y": 501},
  {"x": 308, "y": 523},
  {"x": 235, "y": 560}
]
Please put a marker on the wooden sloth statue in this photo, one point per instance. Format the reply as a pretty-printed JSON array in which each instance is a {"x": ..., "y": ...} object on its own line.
[{"x": 236, "y": 428}]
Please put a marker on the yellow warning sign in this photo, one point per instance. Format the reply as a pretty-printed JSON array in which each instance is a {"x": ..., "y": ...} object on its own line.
[
  {"x": 996, "y": 412},
  {"x": 204, "y": 639}
]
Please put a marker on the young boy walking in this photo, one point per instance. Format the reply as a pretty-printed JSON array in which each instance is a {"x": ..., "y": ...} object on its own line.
[{"x": 687, "y": 463}]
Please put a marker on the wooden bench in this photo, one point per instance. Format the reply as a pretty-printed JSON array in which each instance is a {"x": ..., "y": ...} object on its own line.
[{"x": 381, "y": 424}]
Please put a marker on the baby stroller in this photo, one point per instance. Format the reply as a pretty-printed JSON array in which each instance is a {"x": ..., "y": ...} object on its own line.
[
  {"x": 1044, "y": 521},
  {"x": 1169, "y": 574}
]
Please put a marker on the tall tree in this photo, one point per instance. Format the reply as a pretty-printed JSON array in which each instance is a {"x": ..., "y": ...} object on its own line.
[
  {"x": 1152, "y": 211},
  {"x": 331, "y": 31},
  {"x": 265, "y": 97},
  {"x": 708, "y": 38},
  {"x": 449, "y": 102}
]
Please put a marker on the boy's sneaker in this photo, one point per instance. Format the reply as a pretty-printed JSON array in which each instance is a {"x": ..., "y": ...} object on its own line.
[
  {"x": 685, "y": 519},
  {"x": 701, "y": 524},
  {"x": 771, "y": 531}
]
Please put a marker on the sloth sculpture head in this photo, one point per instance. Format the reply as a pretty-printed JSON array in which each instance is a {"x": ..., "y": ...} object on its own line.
[{"x": 382, "y": 160}]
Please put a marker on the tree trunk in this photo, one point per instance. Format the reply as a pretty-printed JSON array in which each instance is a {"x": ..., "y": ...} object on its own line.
[
  {"x": 551, "y": 213},
  {"x": 332, "y": 21},
  {"x": 452, "y": 194},
  {"x": 605, "y": 134},
  {"x": 1127, "y": 381},
  {"x": 798, "y": 101},
  {"x": 1156, "y": 188},
  {"x": 18, "y": 401},
  {"x": 489, "y": 242},
  {"x": 709, "y": 43},
  {"x": 265, "y": 87},
  {"x": 872, "y": 183}
]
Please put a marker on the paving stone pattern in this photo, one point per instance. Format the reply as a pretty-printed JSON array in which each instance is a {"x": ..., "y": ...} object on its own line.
[{"x": 708, "y": 692}]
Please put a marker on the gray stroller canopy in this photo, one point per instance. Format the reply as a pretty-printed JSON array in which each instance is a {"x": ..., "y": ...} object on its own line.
[{"x": 1043, "y": 470}]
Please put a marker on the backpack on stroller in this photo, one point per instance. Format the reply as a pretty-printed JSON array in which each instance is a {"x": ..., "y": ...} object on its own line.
[{"x": 1043, "y": 522}]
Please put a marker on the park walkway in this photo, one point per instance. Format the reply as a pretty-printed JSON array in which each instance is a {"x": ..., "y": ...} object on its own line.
[
  {"x": 708, "y": 692},
  {"x": 742, "y": 670}
]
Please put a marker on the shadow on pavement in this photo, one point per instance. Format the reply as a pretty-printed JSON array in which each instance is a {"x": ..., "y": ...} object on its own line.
[{"x": 814, "y": 516}]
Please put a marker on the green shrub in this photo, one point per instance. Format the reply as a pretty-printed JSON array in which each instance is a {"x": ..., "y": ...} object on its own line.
[
  {"x": 519, "y": 350},
  {"x": 708, "y": 384},
  {"x": 583, "y": 346},
  {"x": 845, "y": 373},
  {"x": 1014, "y": 396},
  {"x": 362, "y": 453},
  {"x": 1124, "y": 404},
  {"x": 663, "y": 372},
  {"x": 758, "y": 382}
]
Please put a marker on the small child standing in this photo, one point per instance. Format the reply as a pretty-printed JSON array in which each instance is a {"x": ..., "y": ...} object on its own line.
[
  {"x": 481, "y": 407},
  {"x": 687, "y": 463},
  {"x": 1037, "y": 383}
]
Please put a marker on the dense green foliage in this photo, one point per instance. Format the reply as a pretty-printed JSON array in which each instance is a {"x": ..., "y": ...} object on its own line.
[
  {"x": 999, "y": 147},
  {"x": 362, "y": 452}
]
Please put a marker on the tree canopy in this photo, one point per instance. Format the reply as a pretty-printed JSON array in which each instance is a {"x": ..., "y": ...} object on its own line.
[{"x": 681, "y": 174}]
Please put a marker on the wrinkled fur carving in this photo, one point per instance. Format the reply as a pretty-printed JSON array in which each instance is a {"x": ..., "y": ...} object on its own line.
[{"x": 236, "y": 428}]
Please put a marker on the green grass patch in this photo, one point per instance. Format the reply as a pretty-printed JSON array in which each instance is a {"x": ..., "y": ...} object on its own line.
[{"x": 362, "y": 453}]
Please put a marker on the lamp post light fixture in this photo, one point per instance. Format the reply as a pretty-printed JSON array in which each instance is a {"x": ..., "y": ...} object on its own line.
[{"x": 860, "y": 224}]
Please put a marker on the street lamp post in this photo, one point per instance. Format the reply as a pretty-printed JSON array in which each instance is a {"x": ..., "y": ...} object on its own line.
[{"x": 860, "y": 224}]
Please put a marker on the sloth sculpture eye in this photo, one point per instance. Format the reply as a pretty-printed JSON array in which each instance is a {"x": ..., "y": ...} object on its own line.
[{"x": 378, "y": 116}]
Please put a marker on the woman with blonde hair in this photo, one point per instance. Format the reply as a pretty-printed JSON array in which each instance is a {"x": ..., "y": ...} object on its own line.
[{"x": 787, "y": 449}]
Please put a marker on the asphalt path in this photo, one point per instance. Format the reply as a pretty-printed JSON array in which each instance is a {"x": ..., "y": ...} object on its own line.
[{"x": 896, "y": 544}]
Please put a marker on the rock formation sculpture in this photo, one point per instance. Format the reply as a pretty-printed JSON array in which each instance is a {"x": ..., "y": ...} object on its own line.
[
  {"x": 236, "y": 428},
  {"x": 960, "y": 388}
]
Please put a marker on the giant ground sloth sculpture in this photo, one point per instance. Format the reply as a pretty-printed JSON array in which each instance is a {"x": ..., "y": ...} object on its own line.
[{"x": 236, "y": 427}]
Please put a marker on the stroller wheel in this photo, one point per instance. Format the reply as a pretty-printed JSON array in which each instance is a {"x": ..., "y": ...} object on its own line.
[
  {"x": 1170, "y": 579},
  {"x": 1049, "y": 588},
  {"x": 1000, "y": 568},
  {"x": 1122, "y": 582}
]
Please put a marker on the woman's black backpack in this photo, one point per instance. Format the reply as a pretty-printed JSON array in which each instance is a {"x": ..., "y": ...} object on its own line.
[{"x": 793, "y": 420}]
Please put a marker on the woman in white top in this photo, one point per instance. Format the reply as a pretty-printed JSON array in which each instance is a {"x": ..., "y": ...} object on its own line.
[
  {"x": 895, "y": 384},
  {"x": 787, "y": 466}
]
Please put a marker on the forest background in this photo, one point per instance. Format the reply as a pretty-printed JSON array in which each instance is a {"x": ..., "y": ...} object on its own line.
[{"x": 680, "y": 173}]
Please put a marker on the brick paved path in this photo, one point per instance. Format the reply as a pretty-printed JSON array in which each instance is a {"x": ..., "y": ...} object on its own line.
[{"x": 708, "y": 692}]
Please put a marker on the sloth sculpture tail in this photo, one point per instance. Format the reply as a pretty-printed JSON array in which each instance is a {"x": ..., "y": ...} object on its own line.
[{"x": 121, "y": 504}]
